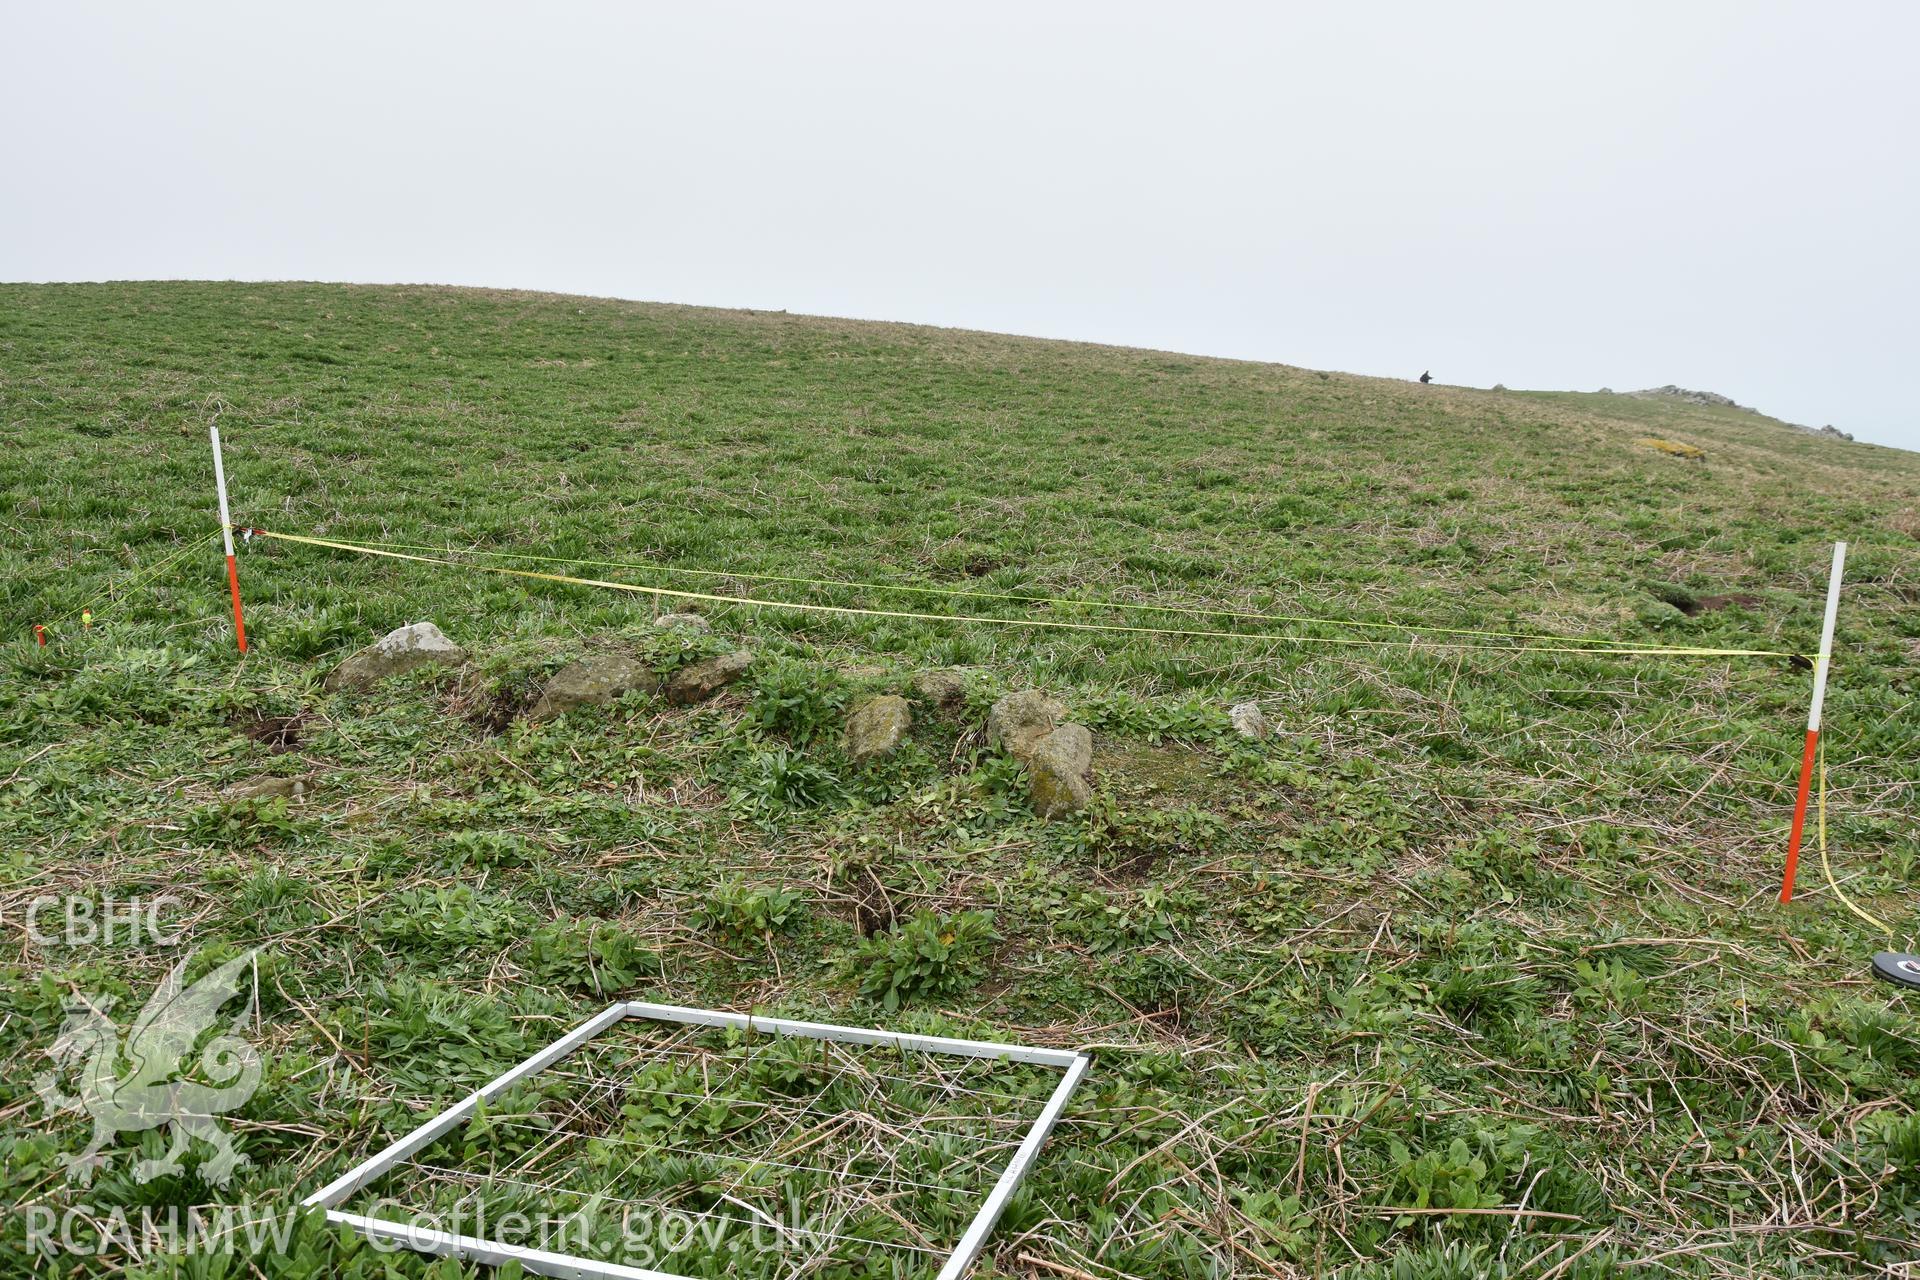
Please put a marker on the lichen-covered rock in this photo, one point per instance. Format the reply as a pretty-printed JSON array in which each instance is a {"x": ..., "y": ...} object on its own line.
[
  {"x": 1249, "y": 721},
  {"x": 702, "y": 680},
  {"x": 270, "y": 787},
  {"x": 594, "y": 680},
  {"x": 877, "y": 727},
  {"x": 946, "y": 688},
  {"x": 683, "y": 622},
  {"x": 417, "y": 644},
  {"x": 1020, "y": 720},
  {"x": 1058, "y": 771}
]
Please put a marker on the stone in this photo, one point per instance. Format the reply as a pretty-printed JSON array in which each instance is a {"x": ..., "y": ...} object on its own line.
[
  {"x": 946, "y": 688},
  {"x": 1071, "y": 745},
  {"x": 877, "y": 727},
  {"x": 594, "y": 680},
  {"x": 1020, "y": 720},
  {"x": 1249, "y": 721},
  {"x": 683, "y": 622},
  {"x": 271, "y": 787},
  {"x": 417, "y": 644},
  {"x": 1058, "y": 769},
  {"x": 702, "y": 680}
]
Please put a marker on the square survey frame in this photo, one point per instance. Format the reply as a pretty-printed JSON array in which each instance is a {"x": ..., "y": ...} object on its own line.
[{"x": 568, "y": 1267}]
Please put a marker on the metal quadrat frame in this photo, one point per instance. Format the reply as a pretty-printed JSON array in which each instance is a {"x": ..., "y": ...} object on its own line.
[{"x": 569, "y": 1267}]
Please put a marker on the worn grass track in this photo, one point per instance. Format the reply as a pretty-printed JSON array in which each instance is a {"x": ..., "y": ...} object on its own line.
[{"x": 1472, "y": 968}]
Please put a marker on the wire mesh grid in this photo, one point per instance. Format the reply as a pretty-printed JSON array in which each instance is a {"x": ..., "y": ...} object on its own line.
[{"x": 696, "y": 1150}]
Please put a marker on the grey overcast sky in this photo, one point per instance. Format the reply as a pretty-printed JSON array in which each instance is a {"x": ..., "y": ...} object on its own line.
[{"x": 1723, "y": 195}]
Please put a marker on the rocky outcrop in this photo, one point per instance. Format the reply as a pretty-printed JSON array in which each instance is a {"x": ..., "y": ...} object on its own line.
[
  {"x": 877, "y": 727},
  {"x": 702, "y": 680},
  {"x": 415, "y": 645},
  {"x": 1685, "y": 396},
  {"x": 682, "y": 622},
  {"x": 1716, "y": 400},
  {"x": 594, "y": 680}
]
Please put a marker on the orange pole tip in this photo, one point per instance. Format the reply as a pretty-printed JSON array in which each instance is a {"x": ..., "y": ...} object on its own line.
[
  {"x": 239, "y": 622},
  {"x": 1799, "y": 815}
]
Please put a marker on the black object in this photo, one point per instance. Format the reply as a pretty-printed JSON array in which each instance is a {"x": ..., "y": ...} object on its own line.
[
  {"x": 1897, "y": 967},
  {"x": 1426, "y": 377}
]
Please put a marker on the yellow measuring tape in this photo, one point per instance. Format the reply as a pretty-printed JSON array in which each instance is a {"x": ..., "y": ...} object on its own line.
[
  {"x": 1820, "y": 827},
  {"x": 1601, "y": 645},
  {"x": 85, "y": 611},
  {"x": 1049, "y": 623}
]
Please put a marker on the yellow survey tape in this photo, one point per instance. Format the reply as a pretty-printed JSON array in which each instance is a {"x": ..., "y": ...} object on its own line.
[
  {"x": 1049, "y": 623},
  {"x": 121, "y": 590},
  {"x": 1600, "y": 645},
  {"x": 1820, "y": 826}
]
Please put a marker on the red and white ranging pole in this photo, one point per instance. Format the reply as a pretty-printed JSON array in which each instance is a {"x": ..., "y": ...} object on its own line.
[
  {"x": 1820, "y": 664},
  {"x": 226, "y": 532}
]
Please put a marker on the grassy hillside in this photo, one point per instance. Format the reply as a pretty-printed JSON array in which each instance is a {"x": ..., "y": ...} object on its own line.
[{"x": 1482, "y": 934}]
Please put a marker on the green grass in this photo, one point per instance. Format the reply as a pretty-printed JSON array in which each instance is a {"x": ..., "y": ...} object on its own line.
[{"x": 1472, "y": 931}]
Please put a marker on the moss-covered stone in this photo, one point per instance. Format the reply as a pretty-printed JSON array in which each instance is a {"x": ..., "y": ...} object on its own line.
[
  {"x": 877, "y": 727},
  {"x": 594, "y": 680},
  {"x": 1057, "y": 771},
  {"x": 702, "y": 680},
  {"x": 1020, "y": 720},
  {"x": 945, "y": 688}
]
